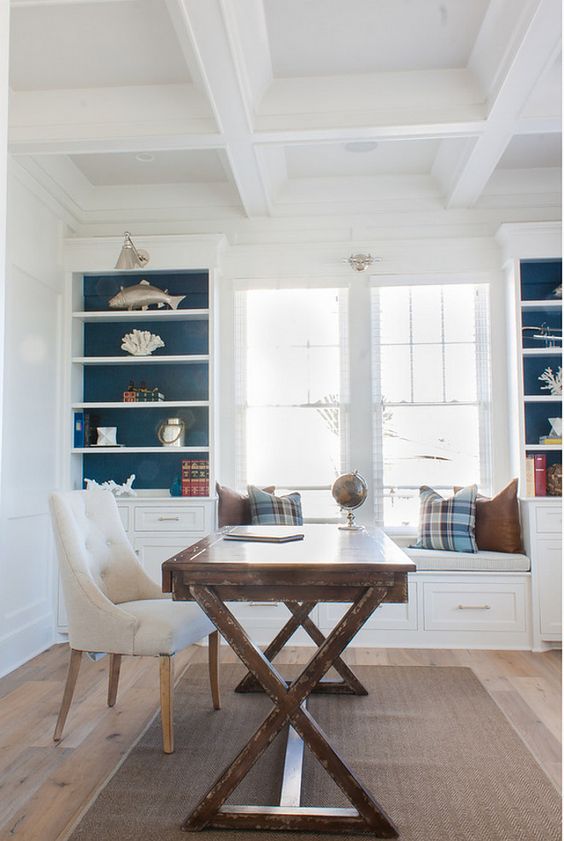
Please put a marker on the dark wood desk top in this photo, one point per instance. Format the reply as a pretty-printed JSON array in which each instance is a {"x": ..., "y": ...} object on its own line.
[{"x": 326, "y": 556}]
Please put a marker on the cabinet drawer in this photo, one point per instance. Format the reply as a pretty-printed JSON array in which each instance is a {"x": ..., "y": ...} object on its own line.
[
  {"x": 548, "y": 519},
  {"x": 191, "y": 519},
  {"x": 466, "y": 607}
]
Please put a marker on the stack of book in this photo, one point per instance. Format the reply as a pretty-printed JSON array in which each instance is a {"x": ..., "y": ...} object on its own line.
[
  {"x": 195, "y": 477},
  {"x": 536, "y": 475}
]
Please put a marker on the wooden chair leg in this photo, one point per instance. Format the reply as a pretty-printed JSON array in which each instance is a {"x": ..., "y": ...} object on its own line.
[
  {"x": 115, "y": 665},
  {"x": 213, "y": 663},
  {"x": 72, "y": 674},
  {"x": 167, "y": 688}
]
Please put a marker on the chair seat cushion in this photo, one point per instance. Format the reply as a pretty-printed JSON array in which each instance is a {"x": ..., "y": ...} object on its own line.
[
  {"x": 428, "y": 560},
  {"x": 164, "y": 626}
]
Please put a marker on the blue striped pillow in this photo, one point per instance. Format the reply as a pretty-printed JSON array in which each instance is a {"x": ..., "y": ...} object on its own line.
[
  {"x": 447, "y": 524},
  {"x": 270, "y": 510}
]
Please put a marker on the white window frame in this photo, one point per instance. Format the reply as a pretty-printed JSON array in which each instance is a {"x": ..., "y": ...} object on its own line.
[
  {"x": 484, "y": 378},
  {"x": 240, "y": 391}
]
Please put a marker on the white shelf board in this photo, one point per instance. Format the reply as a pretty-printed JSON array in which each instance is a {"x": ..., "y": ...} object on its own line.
[
  {"x": 542, "y": 351},
  {"x": 541, "y": 305},
  {"x": 152, "y": 404},
  {"x": 542, "y": 447},
  {"x": 139, "y": 360},
  {"x": 542, "y": 398},
  {"x": 117, "y": 450},
  {"x": 142, "y": 315}
]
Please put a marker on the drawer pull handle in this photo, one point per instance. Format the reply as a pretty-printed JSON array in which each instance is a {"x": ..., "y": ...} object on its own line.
[
  {"x": 168, "y": 519},
  {"x": 263, "y": 604},
  {"x": 473, "y": 607}
]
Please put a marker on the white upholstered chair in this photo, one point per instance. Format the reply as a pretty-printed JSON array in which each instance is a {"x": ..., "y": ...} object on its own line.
[{"x": 114, "y": 607}]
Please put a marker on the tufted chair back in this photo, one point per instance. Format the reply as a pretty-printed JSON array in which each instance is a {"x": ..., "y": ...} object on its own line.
[{"x": 99, "y": 569}]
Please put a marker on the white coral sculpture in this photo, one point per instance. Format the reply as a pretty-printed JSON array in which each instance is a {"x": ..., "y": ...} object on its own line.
[
  {"x": 141, "y": 342},
  {"x": 553, "y": 381},
  {"x": 118, "y": 490}
]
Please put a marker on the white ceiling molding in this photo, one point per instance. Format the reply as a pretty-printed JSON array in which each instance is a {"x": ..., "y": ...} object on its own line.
[
  {"x": 530, "y": 56},
  {"x": 469, "y": 107},
  {"x": 530, "y": 239}
]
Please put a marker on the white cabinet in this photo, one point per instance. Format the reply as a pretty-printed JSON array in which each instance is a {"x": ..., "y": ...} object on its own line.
[
  {"x": 542, "y": 526},
  {"x": 550, "y": 587}
]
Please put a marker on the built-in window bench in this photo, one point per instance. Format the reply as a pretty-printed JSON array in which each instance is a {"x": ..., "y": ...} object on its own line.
[{"x": 456, "y": 600}]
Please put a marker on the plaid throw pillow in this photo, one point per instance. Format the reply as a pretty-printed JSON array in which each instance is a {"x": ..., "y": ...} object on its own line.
[
  {"x": 270, "y": 510},
  {"x": 447, "y": 524}
]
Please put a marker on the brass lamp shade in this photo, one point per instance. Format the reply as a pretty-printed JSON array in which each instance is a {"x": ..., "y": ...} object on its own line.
[{"x": 131, "y": 257}]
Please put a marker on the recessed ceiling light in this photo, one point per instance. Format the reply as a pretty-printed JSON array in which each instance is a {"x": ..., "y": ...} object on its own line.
[
  {"x": 361, "y": 146},
  {"x": 145, "y": 157}
]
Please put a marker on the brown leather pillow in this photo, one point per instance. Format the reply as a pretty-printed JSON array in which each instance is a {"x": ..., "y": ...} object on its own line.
[
  {"x": 233, "y": 508},
  {"x": 497, "y": 521}
]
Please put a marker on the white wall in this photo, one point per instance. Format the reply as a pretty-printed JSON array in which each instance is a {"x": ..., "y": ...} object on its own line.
[{"x": 31, "y": 419}]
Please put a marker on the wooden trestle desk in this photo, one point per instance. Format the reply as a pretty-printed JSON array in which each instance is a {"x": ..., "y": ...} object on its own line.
[{"x": 329, "y": 565}]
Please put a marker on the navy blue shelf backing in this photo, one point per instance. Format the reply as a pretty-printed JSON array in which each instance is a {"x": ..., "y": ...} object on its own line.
[
  {"x": 177, "y": 381},
  {"x": 98, "y": 289},
  {"x": 152, "y": 470},
  {"x": 552, "y": 456},
  {"x": 180, "y": 337},
  {"x": 536, "y": 420},
  {"x": 138, "y": 427},
  {"x": 539, "y": 279},
  {"x": 536, "y": 318},
  {"x": 533, "y": 367}
]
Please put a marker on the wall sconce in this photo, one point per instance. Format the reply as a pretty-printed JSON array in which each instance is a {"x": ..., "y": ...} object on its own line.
[
  {"x": 131, "y": 257},
  {"x": 360, "y": 262}
]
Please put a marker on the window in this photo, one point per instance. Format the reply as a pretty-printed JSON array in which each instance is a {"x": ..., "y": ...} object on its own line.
[
  {"x": 431, "y": 394},
  {"x": 291, "y": 392}
]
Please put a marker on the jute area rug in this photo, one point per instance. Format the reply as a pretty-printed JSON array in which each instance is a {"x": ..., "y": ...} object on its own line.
[{"x": 429, "y": 743}]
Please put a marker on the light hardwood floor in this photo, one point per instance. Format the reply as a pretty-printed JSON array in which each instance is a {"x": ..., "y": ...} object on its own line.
[{"x": 44, "y": 787}]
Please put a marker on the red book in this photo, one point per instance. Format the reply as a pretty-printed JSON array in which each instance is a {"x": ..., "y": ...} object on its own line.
[{"x": 540, "y": 474}]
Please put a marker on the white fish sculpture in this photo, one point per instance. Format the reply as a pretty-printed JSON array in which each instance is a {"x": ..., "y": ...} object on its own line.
[
  {"x": 141, "y": 342},
  {"x": 141, "y": 296}
]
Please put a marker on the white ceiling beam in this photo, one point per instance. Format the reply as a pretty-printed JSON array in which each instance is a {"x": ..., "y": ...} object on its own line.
[
  {"x": 203, "y": 28},
  {"x": 122, "y": 118},
  {"x": 520, "y": 68}
]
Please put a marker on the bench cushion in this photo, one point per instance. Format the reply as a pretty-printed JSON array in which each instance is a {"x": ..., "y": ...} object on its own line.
[{"x": 428, "y": 560}]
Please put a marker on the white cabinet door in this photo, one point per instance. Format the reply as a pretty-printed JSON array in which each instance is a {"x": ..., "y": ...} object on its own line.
[
  {"x": 549, "y": 577},
  {"x": 153, "y": 551}
]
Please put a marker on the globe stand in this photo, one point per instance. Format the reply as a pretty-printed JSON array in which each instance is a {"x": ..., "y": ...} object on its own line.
[{"x": 350, "y": 524}]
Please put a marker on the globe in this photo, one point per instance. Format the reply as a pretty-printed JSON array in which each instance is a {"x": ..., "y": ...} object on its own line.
[{"x": 349, "y": 492}]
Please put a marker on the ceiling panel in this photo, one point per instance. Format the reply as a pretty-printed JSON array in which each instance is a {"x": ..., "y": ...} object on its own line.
[
  {"x": 94, "y": 44},
  {"x": 526, "y": 151},
  {"x": 328, "y": 160},
  {"x": 178, "y": 167},
  {"x": 329, "y": 37}
]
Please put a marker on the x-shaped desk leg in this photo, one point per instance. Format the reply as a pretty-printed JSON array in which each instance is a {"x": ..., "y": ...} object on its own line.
[
  {"x": 368, "y": 815},
  {"x": 349, "y": 685}
]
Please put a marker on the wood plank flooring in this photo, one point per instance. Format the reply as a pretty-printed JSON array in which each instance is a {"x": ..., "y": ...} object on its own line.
[{"x": 45, "y": 787}]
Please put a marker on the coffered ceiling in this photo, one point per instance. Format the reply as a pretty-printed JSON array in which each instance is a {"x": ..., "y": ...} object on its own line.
[{"x": 206, "y": 109}]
